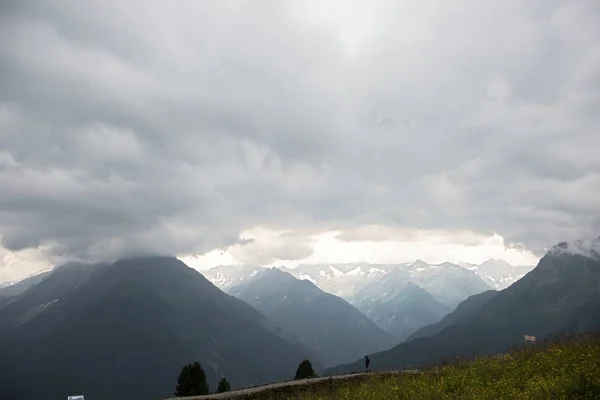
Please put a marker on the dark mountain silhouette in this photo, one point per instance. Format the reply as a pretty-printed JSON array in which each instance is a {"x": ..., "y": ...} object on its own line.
[
  {"x": 326, "y": 324},
  {"x": 561, "y": 294},
  {"x": 124, "y": 330}
]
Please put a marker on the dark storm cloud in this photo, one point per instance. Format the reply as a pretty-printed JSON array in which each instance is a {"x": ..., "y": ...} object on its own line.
[{"x": 127, "y": 128}]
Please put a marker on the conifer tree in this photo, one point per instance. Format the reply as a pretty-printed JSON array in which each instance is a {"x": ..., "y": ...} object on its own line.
[
  {"x": 191, "y": 381},
  {"x": 223, "y": 386},
  {"x": 305, "y": 370}
]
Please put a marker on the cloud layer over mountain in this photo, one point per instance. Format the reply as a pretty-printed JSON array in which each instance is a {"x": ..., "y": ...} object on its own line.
[{"x": 129, "y": 128}]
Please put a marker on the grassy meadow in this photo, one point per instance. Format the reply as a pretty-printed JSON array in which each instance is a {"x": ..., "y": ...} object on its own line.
[{"x": 564, "y": 369}]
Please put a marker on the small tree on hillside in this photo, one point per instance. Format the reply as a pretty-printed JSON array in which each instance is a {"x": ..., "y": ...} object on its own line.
[
  {"x": 305, "y": 370},
  {"x": 191, "y": 381},
  {"x": 223, "y": 386}
]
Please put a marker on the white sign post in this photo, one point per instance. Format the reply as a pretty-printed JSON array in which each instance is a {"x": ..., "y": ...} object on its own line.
[{"x": 529, "y": 338}]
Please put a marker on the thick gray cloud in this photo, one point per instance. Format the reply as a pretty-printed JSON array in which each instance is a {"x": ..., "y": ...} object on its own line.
[{"x": 132, "y": 128}]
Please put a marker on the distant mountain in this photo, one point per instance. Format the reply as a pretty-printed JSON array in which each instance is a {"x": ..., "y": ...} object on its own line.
[
  {"x": 124, "y": 330},
  {"x": 463, "y": 313},
  {"x": 499, "y": 274},
  {"x": 413, "y": 296},
  {"x": 326, "y": 324},
  {"x": 375, "y": 289},
  {"x": 343, "y": 280},
  {"x": 449, "y": 283},
  {"x": 561, "y": 294},
  {"x": 397, "y": 305},
  {"x": 226, "y": 276}
]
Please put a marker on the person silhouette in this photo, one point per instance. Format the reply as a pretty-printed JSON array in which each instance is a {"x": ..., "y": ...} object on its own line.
[{"x": 367, "y": 362}]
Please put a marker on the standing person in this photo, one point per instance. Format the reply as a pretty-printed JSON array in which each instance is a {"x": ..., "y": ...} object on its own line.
[{"x": 367, "y": 362}]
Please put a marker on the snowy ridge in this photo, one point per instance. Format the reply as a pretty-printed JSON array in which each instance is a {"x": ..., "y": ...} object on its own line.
[
  {"x": 226, "y": 276},
  {"x": 587, "y": 248},
  {"x": 346, "y": 279},
  {"x": 10, "y": 283}
]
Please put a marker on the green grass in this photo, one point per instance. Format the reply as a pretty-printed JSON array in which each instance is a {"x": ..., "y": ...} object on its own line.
[{"x": 565, "y": 369}]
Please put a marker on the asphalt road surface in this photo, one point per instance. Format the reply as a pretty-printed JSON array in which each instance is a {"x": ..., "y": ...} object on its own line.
[{"x": 235, "y": 393}]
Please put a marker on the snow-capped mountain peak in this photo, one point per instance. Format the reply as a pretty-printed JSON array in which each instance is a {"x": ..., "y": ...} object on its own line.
[
  {"x": 226, "y": 276},
  {"x": 420, "y": 264},
  {"x": 499, "y": 274}
]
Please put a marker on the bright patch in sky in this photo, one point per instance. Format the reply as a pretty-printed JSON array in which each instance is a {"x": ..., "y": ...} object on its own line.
[
  {"x": 353, "y": 21},
  {"x": 430, "y": 246}
]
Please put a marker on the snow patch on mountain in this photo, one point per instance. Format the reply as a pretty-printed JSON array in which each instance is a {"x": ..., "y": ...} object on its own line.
[
  {"x": 499, "y": 274},
  {"x": 355, "y": 271},
  {"x": 226, "y": 276},
  {"x": 306, "y": 277},
  {"x": 10, "y": 283},
  {"x": 336, "y": 272},
  {"x": 376, "y": 271}
]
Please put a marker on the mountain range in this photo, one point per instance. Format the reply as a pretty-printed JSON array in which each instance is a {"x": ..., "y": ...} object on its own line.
[
  {"x": 325, "y": 323},
  {"x": 561, "y": 294},
  {"x": 398, "y": 298},
  {"x": 345, "y": 280},
  {"x": 124, "y": 330}
]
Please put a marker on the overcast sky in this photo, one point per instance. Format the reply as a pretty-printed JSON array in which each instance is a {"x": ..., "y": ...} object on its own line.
[{"x": 297, "y": 130}]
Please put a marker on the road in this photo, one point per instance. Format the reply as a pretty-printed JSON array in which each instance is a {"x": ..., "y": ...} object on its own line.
[{"x": 235, "y": 393}]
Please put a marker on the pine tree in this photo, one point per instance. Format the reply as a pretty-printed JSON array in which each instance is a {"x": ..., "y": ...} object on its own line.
[
  {"x": 305, "y": 370},
  {"x": 223, "y": 386},
  {"x": 191, "y": 381}
]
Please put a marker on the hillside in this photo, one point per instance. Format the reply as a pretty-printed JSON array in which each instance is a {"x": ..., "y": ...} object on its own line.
[
  {"x": 124, "y": 330},
  {"x": 326, "y": 324},
  {"x": 562, "y": 293},
  {"x": 565, "y": 369}
]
